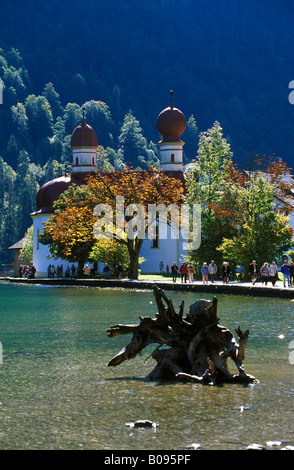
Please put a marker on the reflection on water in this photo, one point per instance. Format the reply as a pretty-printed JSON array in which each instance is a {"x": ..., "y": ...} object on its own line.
[{"x": 56, "y": 391}]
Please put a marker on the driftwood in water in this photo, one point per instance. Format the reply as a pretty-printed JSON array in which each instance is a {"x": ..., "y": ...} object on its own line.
[{"x": 195, "y": 347}]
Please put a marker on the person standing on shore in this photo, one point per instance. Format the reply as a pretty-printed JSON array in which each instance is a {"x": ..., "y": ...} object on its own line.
[
  {"x": 285, "y": 270},
  {"x": 120, "y": 270},
  {"x": 191, "y": 272},
  {"x": 291, "y": 267},
  {"x": 273, "y": 273},
  {"x": 253, "y": 271},
  {"x": 52, "y": 270},
  {"x": 86, "y": 270},
  {"x": 226, "y": 272},
  {"x": 212, "y": 270},
  {"x": 264, "y": 273},
  {"x": 183, "y": 271},
  {"x": 73, "y": 270},
  {"x": 204, "y": 272},
  {"x": 106, "y": 271},
  {"x": 174, "y": 270}
]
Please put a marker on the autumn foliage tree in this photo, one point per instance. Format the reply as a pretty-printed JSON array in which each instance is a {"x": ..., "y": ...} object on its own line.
[
  {"x": 261, "y": 203},
  {"x": 70, "y": 230},
  {"x": 244, "y": 213}
]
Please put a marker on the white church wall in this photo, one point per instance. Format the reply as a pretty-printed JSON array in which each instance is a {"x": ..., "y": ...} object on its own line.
[
  {"x": 41, "y": 255},
  {"x": 167, "y": 251}
]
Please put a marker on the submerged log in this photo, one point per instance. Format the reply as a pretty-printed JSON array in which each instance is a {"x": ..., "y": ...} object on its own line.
[{"x": 196, "y": 347}]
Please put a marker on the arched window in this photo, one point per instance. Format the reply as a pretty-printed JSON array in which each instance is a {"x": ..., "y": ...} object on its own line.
[
  {"x": 155, "y": 241},
  {"x": 172, "y": 157},
  {"x": 77, "y": 161}
]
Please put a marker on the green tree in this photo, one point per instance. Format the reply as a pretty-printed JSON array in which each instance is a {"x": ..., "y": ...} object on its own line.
[
  {"x": 20, "y": 121},
  {"x": 99, "y": 117},
  {"x": 26, "y": 188},
  {"x": 8, "y": 233},
  {"x": 132, "y": 143},
  {"x": 12, "y": 150},
  {"x": 72, "y": 117},
  {"x": 26, "y": 254},
  {"x": 191, "y": 140},
  {"x": 111, "y": 252},
  {"x": 206, "y": 182},
  {"x": 263, "y": 231},
  {"x": 53, "y": 99},
  {"x": 12, "y": 77},
  {"x": 40, "y": 117}
]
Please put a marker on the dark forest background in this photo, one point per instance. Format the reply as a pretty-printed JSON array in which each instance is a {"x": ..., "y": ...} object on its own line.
[{"x": 229, "y": 61}]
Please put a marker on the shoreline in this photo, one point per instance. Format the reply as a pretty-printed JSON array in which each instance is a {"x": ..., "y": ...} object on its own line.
[{"x": 233, "y": 288}]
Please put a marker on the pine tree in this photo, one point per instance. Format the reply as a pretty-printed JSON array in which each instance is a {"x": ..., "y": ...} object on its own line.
[
  {"x": 26, "y": 188},
  {"x": 132, "y": 143}
]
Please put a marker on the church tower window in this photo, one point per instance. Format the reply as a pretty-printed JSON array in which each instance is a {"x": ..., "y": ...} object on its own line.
[{"x": 155, "y": 242}]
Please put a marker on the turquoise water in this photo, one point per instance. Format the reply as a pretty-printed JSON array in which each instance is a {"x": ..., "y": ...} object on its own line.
[{"x": 56, "y": 391}]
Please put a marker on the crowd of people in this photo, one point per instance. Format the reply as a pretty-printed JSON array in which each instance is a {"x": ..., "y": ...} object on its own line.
[
  {"x": 187, "y": 271},
  {"x": 59, "y": 272},
  {"x": 72, "y": 271},
  {"x": 267, "y": 273},
  {"x": 27, "y": 271}
]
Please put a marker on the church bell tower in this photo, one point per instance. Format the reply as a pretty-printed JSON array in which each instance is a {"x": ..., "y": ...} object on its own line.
[
  {"x": 84, "y": 145},
  {"x": 171, "y": 123}
]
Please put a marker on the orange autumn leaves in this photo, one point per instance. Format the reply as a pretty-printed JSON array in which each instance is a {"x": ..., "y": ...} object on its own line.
[
  {"x": 69, "y": 231},
  {"x": 139, "y": 187}
]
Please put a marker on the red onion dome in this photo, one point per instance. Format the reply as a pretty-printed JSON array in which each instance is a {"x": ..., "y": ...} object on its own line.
[
  {"x": 50, "y": 192},
  {"x": 171, "y": 123},
  {"x": 84, "y": 136}
]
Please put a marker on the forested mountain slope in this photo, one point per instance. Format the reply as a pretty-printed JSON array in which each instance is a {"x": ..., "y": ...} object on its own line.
[{"x": 229, "y": 61}]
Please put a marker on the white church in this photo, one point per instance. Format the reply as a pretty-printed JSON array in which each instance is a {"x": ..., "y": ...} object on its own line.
[{"x": 171, "y": 123}]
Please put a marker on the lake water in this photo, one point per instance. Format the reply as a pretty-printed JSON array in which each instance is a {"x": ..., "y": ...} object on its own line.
[{"x": 56, "y": 391}]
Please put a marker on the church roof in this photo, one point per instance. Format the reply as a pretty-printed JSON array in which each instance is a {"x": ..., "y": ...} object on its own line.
[
  {"x": 18, "y": 245},
  {"x": 171, "y": 123},
  {"x": 84, "y": 136},
  {"x": 50, "y": 192}
]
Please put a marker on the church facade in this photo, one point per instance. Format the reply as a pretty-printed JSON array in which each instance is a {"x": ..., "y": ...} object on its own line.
[{"x": 171, "y": 124}]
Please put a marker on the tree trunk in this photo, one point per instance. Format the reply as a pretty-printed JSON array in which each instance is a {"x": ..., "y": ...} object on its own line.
[
  {"x": 81, "y": 267},
  {"x": 134, "y": 248},
  {"x": 196, "y": 347}
]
